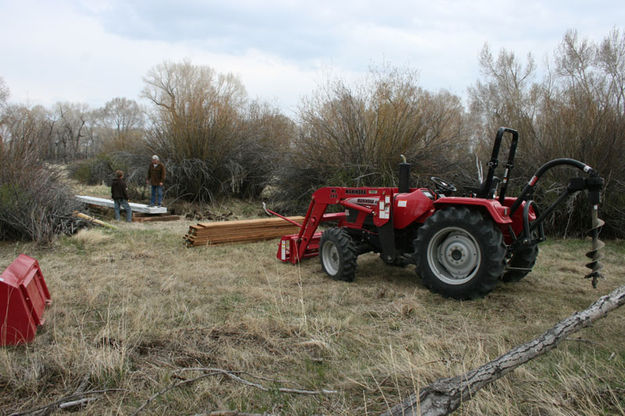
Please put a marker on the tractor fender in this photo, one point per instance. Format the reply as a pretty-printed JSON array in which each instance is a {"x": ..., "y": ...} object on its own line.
[
  {"x": 499, "y": 213},
  {"x": 412, "y": 207}
]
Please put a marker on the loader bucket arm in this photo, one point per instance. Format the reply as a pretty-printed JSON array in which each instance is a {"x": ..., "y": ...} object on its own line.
[
  {"x": 296, "y": 247},
  {"x": 314, "y": 215}
]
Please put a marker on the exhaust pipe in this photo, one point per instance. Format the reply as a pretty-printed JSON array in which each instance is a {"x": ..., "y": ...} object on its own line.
[{"x": 404, "y": 176}]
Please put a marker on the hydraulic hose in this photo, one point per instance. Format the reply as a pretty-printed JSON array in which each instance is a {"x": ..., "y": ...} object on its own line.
[
  {"x": 528, "y": 189},
  {"x": 593, "y": 183}
]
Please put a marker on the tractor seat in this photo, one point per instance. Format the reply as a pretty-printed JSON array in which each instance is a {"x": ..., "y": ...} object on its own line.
[{"x": 483, "y": 190}]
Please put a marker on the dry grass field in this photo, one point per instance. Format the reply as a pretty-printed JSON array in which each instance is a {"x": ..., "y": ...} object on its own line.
[{"x": 159, "y": 329}]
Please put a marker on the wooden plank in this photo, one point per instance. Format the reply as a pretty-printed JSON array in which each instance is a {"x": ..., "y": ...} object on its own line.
[
  {"x": 156, "y": 218},
  {"x": 93, "y": 220},
  {"x": 223, "y": 232},
  {"x": 246, "y": 232},
  {"x": 259, "y": 222},
  {"x": 243, "y": 235},
  {"x": 196, "y": 243},
  {"x": 234, "y": 227}
]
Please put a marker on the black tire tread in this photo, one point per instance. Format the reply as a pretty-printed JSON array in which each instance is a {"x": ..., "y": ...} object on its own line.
[
  {"x": 347, "y": 248},
  {"x": 493, "y": 257}
]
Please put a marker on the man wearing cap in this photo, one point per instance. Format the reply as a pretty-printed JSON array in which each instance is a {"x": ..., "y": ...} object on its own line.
[{"x": 156, "y": 177}]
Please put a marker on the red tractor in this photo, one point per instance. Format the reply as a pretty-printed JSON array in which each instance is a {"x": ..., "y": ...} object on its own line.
[{"x": 461, "y": 245}]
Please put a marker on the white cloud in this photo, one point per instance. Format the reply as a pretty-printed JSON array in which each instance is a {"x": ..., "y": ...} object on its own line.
[{"x": 87, "y": 51}]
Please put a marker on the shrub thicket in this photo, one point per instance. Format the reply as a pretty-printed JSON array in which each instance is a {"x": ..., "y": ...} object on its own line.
[
  {"x": 214, "y": 143},
  {"x": 101, "y": 170},
  {"x": 35, "y": 204},
  {"x": 576, "y": 111},
  {"x": 355, "y": 136}
]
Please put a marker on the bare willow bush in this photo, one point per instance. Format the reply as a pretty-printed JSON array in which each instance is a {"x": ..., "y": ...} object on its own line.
[
  {"x": 213, "y": 141},
  {"x": 355, "y": 136},
  {"x": 576, "y": 111},
  {"x": 35, "y": 204}
]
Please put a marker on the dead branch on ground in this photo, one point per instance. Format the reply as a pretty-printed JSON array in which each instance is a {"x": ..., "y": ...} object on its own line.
[
  {"x": 70, "y": 400},
  {"x": 219, "y": 371},
  {"x": 445, "y": 395}
]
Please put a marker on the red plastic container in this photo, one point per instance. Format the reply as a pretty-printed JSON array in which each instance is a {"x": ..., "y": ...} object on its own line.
[{"x": 23, "y": 298}]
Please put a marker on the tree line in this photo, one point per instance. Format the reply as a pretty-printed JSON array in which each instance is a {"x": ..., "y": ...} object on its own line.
[{"x": 217, "y": 142}]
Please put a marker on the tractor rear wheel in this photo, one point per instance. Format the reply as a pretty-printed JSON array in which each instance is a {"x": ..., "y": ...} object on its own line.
[
  {"x": 338, "y": 254},
  {"x": 460, "y": 253},
  {"x": 521, "y": 263}
]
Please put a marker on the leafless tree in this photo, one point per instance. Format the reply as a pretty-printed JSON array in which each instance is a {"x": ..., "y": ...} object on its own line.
[
  {"x": 120, "y": 125},
  {"x": 196, "y": 110},
  {"x": 36, "y": 205},
  {"x": 355, "y": 135},
  {"x": 4, "y": 93},
  {"x": 26, "y": 130},
  {"x": 71, "y": 129},
  {"x": 213, "y": 140},
  {"x": 575, "y": 111}
]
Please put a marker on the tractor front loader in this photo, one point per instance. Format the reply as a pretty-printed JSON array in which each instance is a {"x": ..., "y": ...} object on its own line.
[{"x": 461, "y": 245}]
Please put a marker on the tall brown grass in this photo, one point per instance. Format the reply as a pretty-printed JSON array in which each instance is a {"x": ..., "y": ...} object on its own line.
[{"x": 135, "y": 310}]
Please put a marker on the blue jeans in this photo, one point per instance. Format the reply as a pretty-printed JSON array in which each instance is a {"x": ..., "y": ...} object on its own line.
[
  {"x": 124, "y": 204},
  {"x": 157, "y": 190}
]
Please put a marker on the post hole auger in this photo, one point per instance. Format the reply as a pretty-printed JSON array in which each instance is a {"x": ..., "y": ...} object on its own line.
[
  {"x": 593, "y": 183},
  {"x": 461, "y": 245}
]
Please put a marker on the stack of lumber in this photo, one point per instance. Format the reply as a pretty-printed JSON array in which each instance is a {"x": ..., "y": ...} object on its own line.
[{"x": 221, "y": 232}]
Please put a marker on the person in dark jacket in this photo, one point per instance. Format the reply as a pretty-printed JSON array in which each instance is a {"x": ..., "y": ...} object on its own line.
[
  {"x": 119, "y": 193},
  {"x": 156, "y": 177}
]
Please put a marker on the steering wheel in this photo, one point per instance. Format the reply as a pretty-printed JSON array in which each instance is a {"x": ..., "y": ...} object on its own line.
[{"x": 443, "y": 186}]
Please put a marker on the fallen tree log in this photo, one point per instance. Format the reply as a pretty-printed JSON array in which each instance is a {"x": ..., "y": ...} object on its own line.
[{"x": 445, "y": 395}]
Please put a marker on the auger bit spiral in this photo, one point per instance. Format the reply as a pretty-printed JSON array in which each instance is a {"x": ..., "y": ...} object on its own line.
[{"x": 594, "y": 193}]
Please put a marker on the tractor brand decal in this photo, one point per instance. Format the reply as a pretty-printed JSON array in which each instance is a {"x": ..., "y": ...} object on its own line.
[
  {"x": 402, "y": 203},
  {"x": 356, "y": 191},
  {"x": 384, "y": 208},
  {"x": 366, "y": 201}
]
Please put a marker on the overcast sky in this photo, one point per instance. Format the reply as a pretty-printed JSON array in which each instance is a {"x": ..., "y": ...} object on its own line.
[{"x": 93, "y": 51}]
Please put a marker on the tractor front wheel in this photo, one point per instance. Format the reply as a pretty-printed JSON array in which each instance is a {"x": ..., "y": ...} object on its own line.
[
  {"x": 338, "y": 254},
  {"x": 460, "y": 253}
]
